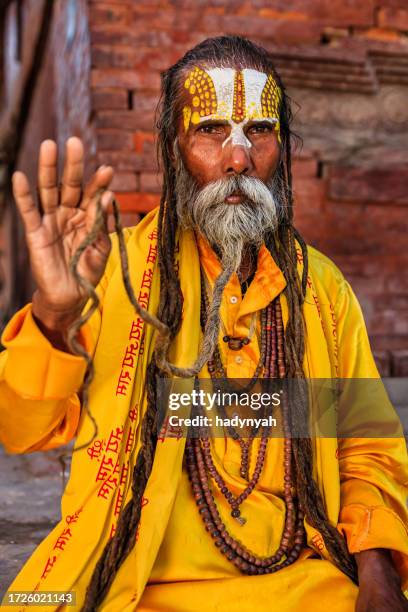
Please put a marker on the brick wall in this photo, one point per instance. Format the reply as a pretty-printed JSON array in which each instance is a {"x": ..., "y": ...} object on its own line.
[
  {"x": 345, "y": 64},
  {"x": 346, "y": 67}
]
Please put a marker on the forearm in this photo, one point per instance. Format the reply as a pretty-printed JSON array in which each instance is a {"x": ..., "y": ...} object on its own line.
[
  {"x": 376, "y": 562},
  {"x": 39, "y": 406},
  {"x": 379, "y": 582}
]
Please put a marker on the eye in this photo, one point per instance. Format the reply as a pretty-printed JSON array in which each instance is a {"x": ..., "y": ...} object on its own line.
[
  {"x": 261, "y": 128},
  {"x": 212, "y": 128}
]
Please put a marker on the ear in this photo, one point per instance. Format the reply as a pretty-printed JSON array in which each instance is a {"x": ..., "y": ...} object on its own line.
[{"x": 174, "y": 151}]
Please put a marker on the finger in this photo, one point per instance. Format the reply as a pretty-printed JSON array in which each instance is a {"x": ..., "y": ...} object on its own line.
[
  {"x": 92, "y": 211},
  {"x": 73, "y": 173},
  {"x": 100, "y": 180},
  {"x": 47, "y": 176},
  {"x": 25, "y": 203}
]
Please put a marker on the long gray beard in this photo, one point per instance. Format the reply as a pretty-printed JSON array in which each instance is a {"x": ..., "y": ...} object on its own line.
[{"x": 229, "y": 228}]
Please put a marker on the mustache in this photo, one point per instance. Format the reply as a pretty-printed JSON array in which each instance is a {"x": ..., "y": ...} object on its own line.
[{"x": 253, "y": 189}]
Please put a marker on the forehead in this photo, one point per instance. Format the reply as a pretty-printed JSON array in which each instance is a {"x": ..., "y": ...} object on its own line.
[{"x": 229, "y": 94}]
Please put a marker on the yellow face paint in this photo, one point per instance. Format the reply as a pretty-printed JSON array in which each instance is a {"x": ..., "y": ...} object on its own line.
[{"x": 236, "y": 96}]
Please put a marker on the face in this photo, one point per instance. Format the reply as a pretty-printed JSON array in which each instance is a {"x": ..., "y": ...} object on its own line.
[{"x": 229, "y": 126}]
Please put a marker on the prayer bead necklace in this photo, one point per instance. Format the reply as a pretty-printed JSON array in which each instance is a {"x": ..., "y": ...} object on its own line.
[
  {"x": 217, "y": 371},
  {"x": 201, "y": 468}
]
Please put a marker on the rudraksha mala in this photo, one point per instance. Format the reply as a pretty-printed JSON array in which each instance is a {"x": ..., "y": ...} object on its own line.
[{"x": 201, "y": 468}]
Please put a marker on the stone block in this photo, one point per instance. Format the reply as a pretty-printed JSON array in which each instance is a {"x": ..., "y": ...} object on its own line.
[
  {"x": 128, "y": 79},
  {"x": 400, "y": 363},
  {"x": 393, "y": 18},
  {"x": 109, "y": 99},
  {"x": 124, "y": 181},
  {"x": 373, "y": 185},
  {"x": 150, "y": 182},
  {"x": 138, "y": 202}
]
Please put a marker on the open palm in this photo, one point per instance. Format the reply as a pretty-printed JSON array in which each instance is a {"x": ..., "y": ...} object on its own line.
[{"x": 54, "y": 234}]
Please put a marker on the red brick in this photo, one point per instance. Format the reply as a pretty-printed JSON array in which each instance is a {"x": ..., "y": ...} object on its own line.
[
  {"x": 131, "y": 35},
  {"x": 155, "y": 59},
  {"x": 383, "y": 362},
  {"x": 125, "y": 120},
  {"x": 279, "y": 31},
  {"x": 376, "y": 185},
  {"x": 400, "y": 363},
  {"x": 397, "y": 301},
  {"x": 113, "y": 140},
  {"x": 162, "y": 20},
  {"x": 393, "y": 18},
  {"x": 121, "y": 160},
  {"x": 302, "y": 169},
  {"x": 128, "y": 79},
  {"x": 374, "y": 285},
  {"x": 138, "y": 202},
  {"x": 388, "y": 342},
  {"x": 387, "y": 322},
  {"x": 329, "y": 12},
  {"x": 150, "y": 182},
  {"x": 126, "y": 220},
  {"x": 107, "y": 56},
  {"x": 398, "y": 283},
  {"x": 144, "y": 142},
  {"x": 136, "y": 57},
  {"x": 111, "y": 2},
  {"x": 112, "y": 36},
  {"x": 203, "y": 4},
  {"x": 395, "y": 4},
  {"x": 104, "y": 14},
  {"x": 309, "y": 200},
  {"x": 381, "y": 35},
  {"x": 124, "y": 181},
  {"x": 109, "y": 98}
]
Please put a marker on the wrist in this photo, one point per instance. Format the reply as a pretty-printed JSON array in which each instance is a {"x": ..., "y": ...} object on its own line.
[
  {"x": 376, "y": 562},
  {"x": 55, "y": 320},
  {"x": 54, "y": 324}
]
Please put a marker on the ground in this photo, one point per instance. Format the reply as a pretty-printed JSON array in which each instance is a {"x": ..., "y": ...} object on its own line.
[{"x": 30, "y": 491}]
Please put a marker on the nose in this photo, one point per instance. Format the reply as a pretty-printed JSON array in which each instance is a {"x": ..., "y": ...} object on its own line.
[{"x": 237, "y": 159}]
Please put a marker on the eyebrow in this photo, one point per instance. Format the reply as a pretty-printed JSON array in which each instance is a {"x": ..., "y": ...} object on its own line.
[{"x": 212, "y": 122}]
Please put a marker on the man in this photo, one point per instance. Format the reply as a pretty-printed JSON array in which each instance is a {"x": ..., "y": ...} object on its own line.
[{"x": 295, "y": 522}]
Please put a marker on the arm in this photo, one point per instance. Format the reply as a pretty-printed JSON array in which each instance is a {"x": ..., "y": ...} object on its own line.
[
  {"x": 373, "y": 469},
  {"x": 39, "y": 383},
  {"x": 39, "y": 378}
]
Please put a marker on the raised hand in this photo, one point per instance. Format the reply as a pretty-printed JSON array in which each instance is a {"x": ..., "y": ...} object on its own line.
[{"x": 54, "y": 234}]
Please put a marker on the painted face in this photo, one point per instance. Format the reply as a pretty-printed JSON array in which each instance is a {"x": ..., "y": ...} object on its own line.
[{"x": 235, "y": 96}]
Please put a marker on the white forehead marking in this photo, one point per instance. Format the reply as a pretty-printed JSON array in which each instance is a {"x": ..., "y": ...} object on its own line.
[
  {"x": 254, "y": 83},
  {"x": 237, "y": 135},
  {"x": 223, "y": 79}
]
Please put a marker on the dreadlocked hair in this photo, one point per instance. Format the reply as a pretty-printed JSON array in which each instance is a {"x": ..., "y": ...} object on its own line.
[{"x": 239, "y": 53}]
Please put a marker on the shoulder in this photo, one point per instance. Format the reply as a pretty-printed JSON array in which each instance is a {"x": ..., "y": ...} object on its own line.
[{"x": 325, "y": 277}]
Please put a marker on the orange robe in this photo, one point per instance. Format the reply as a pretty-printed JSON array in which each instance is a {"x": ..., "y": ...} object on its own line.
[{"x": 174, "y": 564}]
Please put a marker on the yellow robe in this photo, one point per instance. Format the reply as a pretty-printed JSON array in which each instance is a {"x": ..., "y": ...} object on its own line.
[{"x": 174, "y": 564}]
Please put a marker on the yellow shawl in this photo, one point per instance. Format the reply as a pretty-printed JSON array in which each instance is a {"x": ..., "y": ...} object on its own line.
[{"x": 100, "y": 481}]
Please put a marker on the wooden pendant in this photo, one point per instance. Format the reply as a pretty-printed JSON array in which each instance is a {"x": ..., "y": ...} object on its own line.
[{"x": 235, "y": 344}]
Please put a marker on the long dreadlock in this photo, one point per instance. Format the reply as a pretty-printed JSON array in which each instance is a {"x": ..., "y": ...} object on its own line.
[{"x": 239, "y": 53}]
